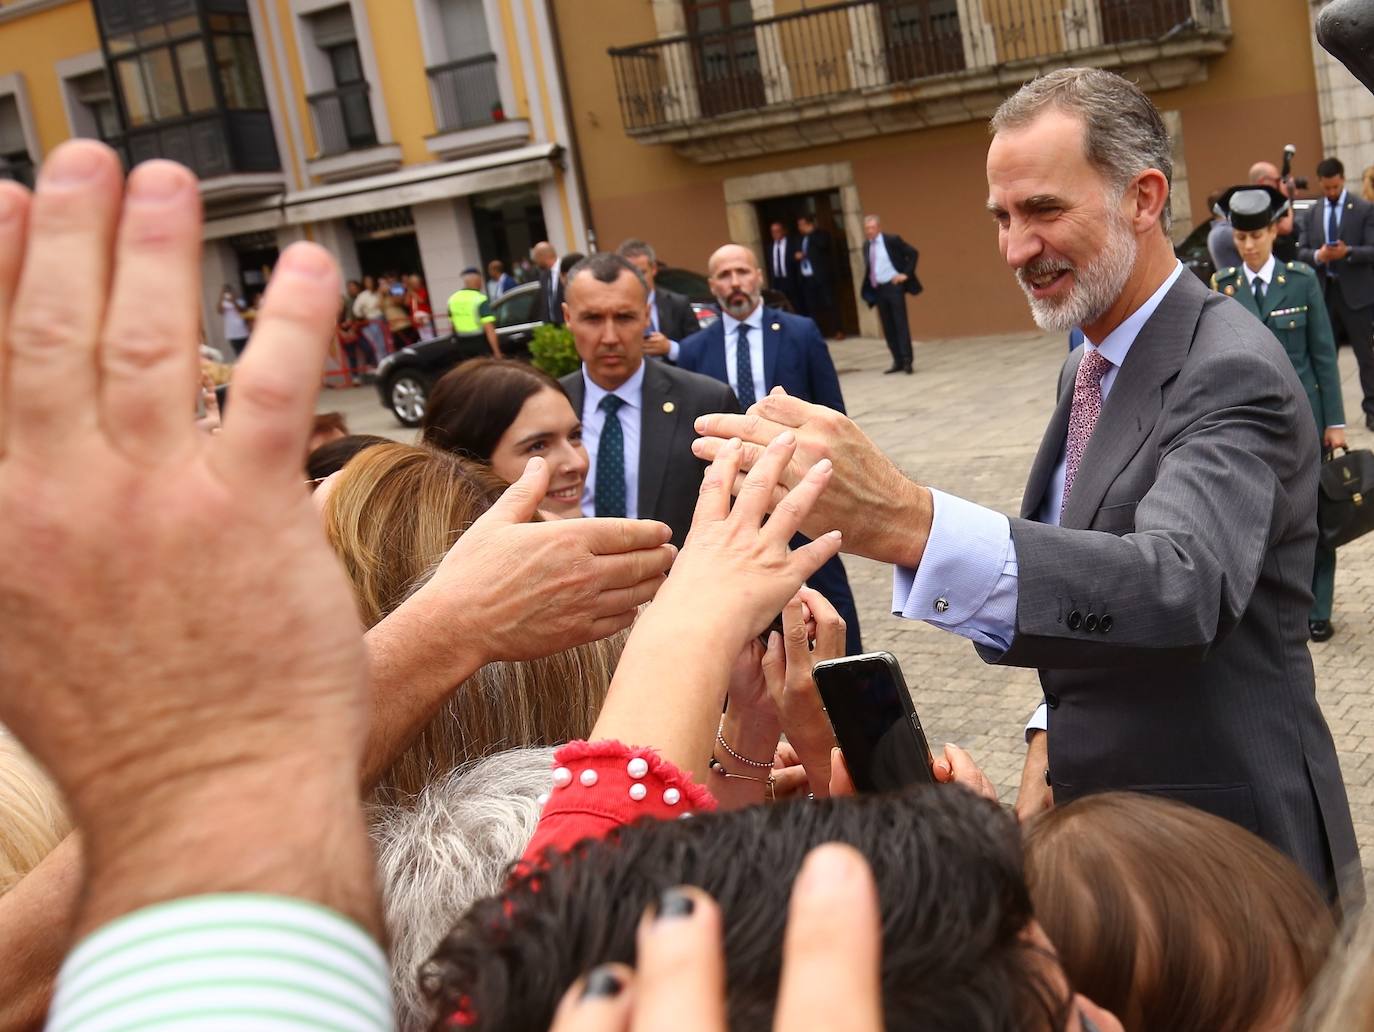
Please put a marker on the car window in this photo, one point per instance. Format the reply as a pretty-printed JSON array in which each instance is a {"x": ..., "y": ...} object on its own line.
[
  {"x": 516, "y": 307},
  {"x": 684, "y": 281}
]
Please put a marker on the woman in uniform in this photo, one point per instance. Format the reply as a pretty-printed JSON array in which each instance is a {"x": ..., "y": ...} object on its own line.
[{"x": 1286, "y": 297}]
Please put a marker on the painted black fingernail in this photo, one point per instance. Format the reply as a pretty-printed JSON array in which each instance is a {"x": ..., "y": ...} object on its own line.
[
  {"x": 602, "y": 984},
  {"x": 675, "y": 903}
]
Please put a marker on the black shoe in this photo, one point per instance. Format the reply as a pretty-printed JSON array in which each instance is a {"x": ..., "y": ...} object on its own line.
[
  {"x": 1369, "y": 421},
  {"x": 894, "y": 369},
  {"x": 907, "y": 369},
  {"x": 1321, "y": 629}
]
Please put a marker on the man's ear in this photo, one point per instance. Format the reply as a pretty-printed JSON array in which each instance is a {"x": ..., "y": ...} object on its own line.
[{"x": 1151, "y": 195}]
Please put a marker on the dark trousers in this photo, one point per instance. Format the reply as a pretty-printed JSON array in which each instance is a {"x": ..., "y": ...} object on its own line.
[
  {"x": 1357, "y": 326},
  {"x": 892, "y": 311},
  {"x": 817, "y": 304},
  {"x": 833, "y": 583}
]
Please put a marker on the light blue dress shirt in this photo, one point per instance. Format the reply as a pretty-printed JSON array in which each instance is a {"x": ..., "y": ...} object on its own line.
[
  {"x": 880, "y": 264},
  {"x": 806, "y": 255},
  {"x": 754, "y": 320},
  {"x": 967, "y": 580},
  {"x": 631, "y": 416}
]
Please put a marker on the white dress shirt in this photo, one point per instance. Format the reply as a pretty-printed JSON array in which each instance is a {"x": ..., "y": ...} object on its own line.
[
  {"x": 880, "y": 264},
  {"x": 754, "y": 320},
  {"x": 967, "y": 580},
  {"x": 780, "y": 258},
  {"x": 631, "y": 416}
]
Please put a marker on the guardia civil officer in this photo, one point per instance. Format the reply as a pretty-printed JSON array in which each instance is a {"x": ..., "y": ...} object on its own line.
[
  {"x": 470, "y": 311},
  {"x": 1286, "y": 297}
]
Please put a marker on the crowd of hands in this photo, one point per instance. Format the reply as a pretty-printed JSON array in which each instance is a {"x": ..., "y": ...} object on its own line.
[{"x": 179, "y": 642}]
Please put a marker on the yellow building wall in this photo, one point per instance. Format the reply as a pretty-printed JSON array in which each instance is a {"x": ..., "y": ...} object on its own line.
[
  {"x": 32, "y": 46},
  {"x": 404, "y": 85}
]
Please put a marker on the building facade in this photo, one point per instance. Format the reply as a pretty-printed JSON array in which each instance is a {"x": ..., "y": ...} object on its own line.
[
  {"x": 407, "y": 136},
  {"x": 700, "y": 121}
]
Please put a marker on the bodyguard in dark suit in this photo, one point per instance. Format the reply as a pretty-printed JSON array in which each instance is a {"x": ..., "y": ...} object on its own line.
[
  {"x": 1158, "y": 573},
  {"x": 671, "y": 319},
  {"x": 889, "y": 276},
  {"x": 815, "y": 257},
  {"x": 545, "y": 259},
  {"x": 1336, "y": 237},
  {"x": 779, "y": 260},
  {"x": 754, "y": 349},
  {"x": 637, "y": 416},
  {"x": 1286, "y": 298}
]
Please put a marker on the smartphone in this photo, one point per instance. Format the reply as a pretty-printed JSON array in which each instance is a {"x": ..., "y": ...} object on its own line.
[{"x": 869, "y": 707}]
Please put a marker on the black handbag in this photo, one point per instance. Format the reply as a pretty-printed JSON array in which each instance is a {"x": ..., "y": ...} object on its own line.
[{"x": 1345, "y": 497}]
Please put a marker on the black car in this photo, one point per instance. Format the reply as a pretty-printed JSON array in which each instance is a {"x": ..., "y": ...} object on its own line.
[
  {"x": 1193, "y": 253},
  {"x": 404, "y": 379}
]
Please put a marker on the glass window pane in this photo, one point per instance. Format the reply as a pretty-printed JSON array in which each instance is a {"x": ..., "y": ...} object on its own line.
[
  {"x": 195, "y": 76},
  {"x": 183, "y": 26},
  {"x": 151, "y": 34},
  {"x": 131, "y": 87},
  {"x": 120, "y": 44},
  {"x": 346, "y": 63},
  {"x": 161, "y": 83},
  {"x": 240, "y": 77}
]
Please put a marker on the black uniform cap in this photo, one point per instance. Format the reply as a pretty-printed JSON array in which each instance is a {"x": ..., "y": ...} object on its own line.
[{"x": 1252, "y": 207}]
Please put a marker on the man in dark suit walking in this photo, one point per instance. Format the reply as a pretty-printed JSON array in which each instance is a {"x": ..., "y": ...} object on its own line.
[
  {"x": 782, "y": 265},
  {"x": 671, "y": 319},
  {"x": 1337, "y": 239},
  {"x": 889, "y": 276},
  {"x": 754, "y": 349},
  {"x": 815, "y": 273},
  {"x": 545, "y": 260},
  {"x": 1158, "y": 574},
  {"x": 637, "y": 416}
]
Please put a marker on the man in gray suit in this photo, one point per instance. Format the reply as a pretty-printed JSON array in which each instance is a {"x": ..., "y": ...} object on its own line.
[
  {"x": 1336, "y": 237},
  {"x": 636, "y": 416},
  {"x": 1158, "y": 575}
]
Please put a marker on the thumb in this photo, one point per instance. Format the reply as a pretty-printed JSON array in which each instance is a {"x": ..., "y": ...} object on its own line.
[{"x": 518, "y": 502}]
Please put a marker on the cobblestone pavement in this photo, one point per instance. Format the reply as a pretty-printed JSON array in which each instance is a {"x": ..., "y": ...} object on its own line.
[{"x": 969, "y": 422}]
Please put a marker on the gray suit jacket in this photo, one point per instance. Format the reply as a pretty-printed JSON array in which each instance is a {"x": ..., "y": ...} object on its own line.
[
  {"x": 669, "y": 474},
  {"x": 1168, "y": 613},
  {"x": 1355, "y": 271}
]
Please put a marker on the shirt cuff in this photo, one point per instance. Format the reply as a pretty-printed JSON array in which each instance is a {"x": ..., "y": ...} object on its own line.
[
  {"x": 1039, "y": 721},
  {"x": 673, "y": 350},
  {"x": 230, "y": 962},
  {"x": 968, "y": 551}
]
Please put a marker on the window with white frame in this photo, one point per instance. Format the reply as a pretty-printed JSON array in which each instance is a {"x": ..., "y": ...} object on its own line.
[
  {"x": 92, "y": 105},
  {"x": 465, "y": 86}
]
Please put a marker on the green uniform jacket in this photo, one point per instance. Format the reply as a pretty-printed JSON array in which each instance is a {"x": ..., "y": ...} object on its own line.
[{"x": 1296, "y": 315}]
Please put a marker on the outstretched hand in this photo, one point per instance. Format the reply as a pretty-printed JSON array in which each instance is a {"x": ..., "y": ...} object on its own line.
[
  {"x": 882, "y": 514},
  {"x": 134, "y": 659}
]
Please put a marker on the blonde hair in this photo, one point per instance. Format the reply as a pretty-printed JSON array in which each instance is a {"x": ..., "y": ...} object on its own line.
[
  {"x": 393, "y": 514},
  {"x": 1367, "y": 184},
  {"x": 33, "y": 819}
]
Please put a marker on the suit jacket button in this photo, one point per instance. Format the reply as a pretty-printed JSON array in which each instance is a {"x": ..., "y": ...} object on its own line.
[
  {"x": 1051, "y": 700},
  {"x": 1075, "y": 620},
  {"x": 1090, "y": 622},
  {"x": 1105, "y": 623}
]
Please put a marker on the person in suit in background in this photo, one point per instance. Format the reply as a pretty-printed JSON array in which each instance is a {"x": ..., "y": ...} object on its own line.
[
  {"x": 671, "y": 319},
  {"x": 1158, "y": 574},
  {"x": 782, "y": 266},
  {"x": 545, "y": 260},
  {"x": 755, "y": 349},
  {"x": 637, "y": 416},
  {"x": 1336, "y": 238},
  {"x": 1286, "y": 298},
  {"x": 889, "y": 276},
  {"x": 815, "y": 258},
  {"x": 498, "y": 279}
]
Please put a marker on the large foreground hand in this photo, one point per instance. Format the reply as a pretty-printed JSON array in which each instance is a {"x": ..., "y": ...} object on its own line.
[
  {"x": 177, "y": 644},
  {"x": 882, "y": 514}
]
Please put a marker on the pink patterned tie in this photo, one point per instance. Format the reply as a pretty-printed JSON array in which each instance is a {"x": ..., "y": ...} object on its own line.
[{"x": 1087, "y": 406}]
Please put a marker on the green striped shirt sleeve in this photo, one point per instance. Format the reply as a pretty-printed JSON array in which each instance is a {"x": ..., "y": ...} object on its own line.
[{"x": 240, "y": 962}]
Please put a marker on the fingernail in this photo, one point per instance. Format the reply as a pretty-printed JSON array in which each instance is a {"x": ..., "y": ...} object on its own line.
[
  {"x": 734, "y": 443},
  {"x": 700, "y": 424},
  {"x": 786, "y": 437},
  {"x": 156, "y": 181},
  {"x": 674, "y": 904},
  {"x": 602, "y": 984},
  {"x": 306, "y": 261},
  {"x": 71, "y": 164},
  {"x": 836, "y": 535},
  {"x": 824, "y": 466},
  {"x": 824, "y": 867}
]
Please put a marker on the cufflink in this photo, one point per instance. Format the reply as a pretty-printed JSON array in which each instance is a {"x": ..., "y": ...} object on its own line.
[{"x": 942, "y": 605}]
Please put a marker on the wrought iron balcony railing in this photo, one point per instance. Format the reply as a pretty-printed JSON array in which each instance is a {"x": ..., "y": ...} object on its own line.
[
  {"x": 866, "y": 45},
  {"x": 343, "y": 119},
  {"x": 466, "y": 94}
]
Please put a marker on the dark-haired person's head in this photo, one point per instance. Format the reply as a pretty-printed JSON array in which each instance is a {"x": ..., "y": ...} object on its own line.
[
  {"x": 961, "y": 950},
  {"x": 1173, "y": 918},
  {"x": 332, "y": 456},
  {"x": 640, "y": 254},
  {"x": 502, "y": 414},
  {"x": 566, "y": 263},
  {"x": 606, "y": 306},
  {"x": 1331, "y": 178}
]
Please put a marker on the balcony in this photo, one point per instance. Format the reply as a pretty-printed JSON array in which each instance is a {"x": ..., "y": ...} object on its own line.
[
  {"x": 468, "y": 111},
  {"x": 346, "y": 137},
  {"x": 868, "y": 67},
  {"x": 233, "y": 153}
]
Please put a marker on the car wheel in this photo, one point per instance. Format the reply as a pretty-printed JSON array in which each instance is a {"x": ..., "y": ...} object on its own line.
[{"x": 409, "y": 393}]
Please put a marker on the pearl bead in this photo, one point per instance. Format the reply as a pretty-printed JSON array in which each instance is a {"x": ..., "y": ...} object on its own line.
[
  {"x": 562, "y": 777},
  {"x": 543, "y": 799},
  {"x": 638, "y": 792},
  {"x": 637, "y": 767},
  {"x": 685, "y": 816},
  {"x": 587, "y": 777},
  {"x": 671, "y": 796}
]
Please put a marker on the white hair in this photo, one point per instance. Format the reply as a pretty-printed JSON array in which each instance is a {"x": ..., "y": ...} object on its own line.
[{"x": 445, "y": 849}]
